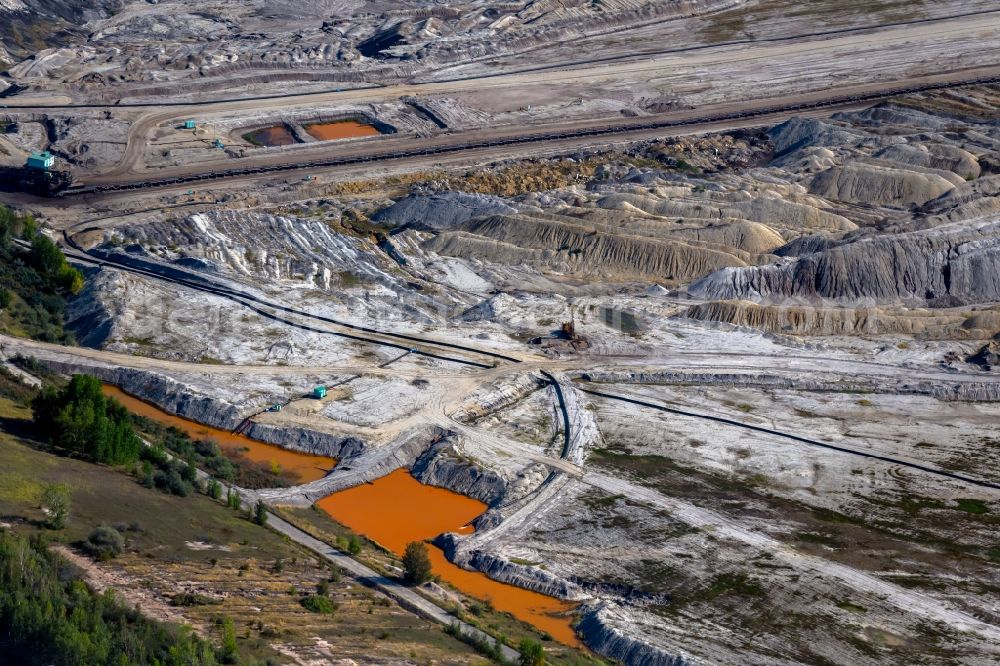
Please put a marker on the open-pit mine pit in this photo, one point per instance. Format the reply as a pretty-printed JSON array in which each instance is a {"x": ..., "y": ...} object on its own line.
[{"x": 671, "y": 326}]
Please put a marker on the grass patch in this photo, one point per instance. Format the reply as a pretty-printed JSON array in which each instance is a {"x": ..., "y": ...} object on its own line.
[
  {"x": 348, "y": 279},
  {"x": 17, "y": 488},
  {"x": 729, "y": 584},
  {"x": 830, "y": 516},
  {"x": 913, "y": 505},
  {"x": 973, "y": 506},
  {"x": 817, "y": 538},
  {"x": 848, "y": 606},
  {"x": 596, "y": 501}
]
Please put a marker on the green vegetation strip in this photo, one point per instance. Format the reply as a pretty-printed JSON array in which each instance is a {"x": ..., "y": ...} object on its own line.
[
  {"x": 34, "y": 281},
  {"x": 48, "y": 615}
]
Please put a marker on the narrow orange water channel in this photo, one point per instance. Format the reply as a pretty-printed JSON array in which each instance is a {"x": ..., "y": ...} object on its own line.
[
  {"x": 342, "y": 129},
  {"x": 306, "y": 466},
  {"x": 398, "y": 509}
]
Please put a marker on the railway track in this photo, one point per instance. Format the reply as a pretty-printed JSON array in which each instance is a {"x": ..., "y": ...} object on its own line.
[
  {"x": 402, "y": 341},
  {"x": 600, "y": 131},
  {"x": 897, "y": 463}
]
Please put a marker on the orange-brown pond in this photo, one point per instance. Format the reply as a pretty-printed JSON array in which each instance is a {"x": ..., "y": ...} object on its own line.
[
  {"x": 278, "y": 135},
  {"x": 305, "y": 466},
  {"x": 342, "y": 129},
  {"x": 398, "y": 509}
]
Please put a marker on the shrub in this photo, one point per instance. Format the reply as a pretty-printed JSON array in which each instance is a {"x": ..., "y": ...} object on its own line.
[
  {"x": 318, "y": 604},
  {"x": 532, "y": 653},
  {"x": 176, "y": 483},
  {"x": 191, "y": 599},
  {"x": 189, "y": 472},
  {"x": 104, "y": 543},
  {"x": 146, "y": 474},
  {"x": 416, "y": 564}
]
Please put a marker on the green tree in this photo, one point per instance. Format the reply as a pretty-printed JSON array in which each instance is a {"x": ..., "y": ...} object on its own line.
[
  {"x": 56, "y": 502},
  {"x": 229, "y": 653},
  {"x": 532, "y": 653},
  {"x": 51, "y": 262},
  {"x": 6, "y": 222},
  {"x": 416, "y": 563},
  {"x": 260, "y": 513},
  {"x": 354, "y": 545},
  {"x": 25, "y": 226},
  {"x": 46, "y": 255},
  {"x": 214, "y": 489},
  {"x": 233, "y": 499},
  {"x": 80, "y": 419}
]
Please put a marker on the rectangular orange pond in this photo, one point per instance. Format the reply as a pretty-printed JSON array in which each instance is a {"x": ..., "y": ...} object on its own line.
[
  {"x": 305, "y": 466},
  {"x": 341, "y": 129},
  {"x": 397, "y": 509}
]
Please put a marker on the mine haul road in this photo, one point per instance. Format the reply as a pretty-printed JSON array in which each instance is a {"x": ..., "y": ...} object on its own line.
[
  {"x": 783, "y": 62},
  {"x": 510, "y": 143}
]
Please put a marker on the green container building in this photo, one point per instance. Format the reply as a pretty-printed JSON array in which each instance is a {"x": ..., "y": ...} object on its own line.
[{"x": 42, "y": 161}]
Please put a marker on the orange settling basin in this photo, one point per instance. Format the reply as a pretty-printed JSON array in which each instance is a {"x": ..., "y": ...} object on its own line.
[
  {"x": 398, "y": 509},
  {"x": 306, "y": 466},
  {"x": 342, "y": 129}
]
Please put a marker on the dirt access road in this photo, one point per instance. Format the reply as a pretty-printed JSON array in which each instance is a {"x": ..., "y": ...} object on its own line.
[{"x": 932, "y": 52}]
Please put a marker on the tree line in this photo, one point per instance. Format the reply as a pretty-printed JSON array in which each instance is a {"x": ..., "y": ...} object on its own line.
[{"x": 80, "y": 419}]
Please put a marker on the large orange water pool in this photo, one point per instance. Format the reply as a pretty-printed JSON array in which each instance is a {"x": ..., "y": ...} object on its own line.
[
  {"x": 305, "y": 466},
  {"x": 341, "y": 129},
  {"x": 398, "y": 509}
]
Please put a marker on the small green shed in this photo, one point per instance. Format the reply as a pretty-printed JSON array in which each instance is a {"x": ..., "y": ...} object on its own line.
[{"x": 319, "y": 392}]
